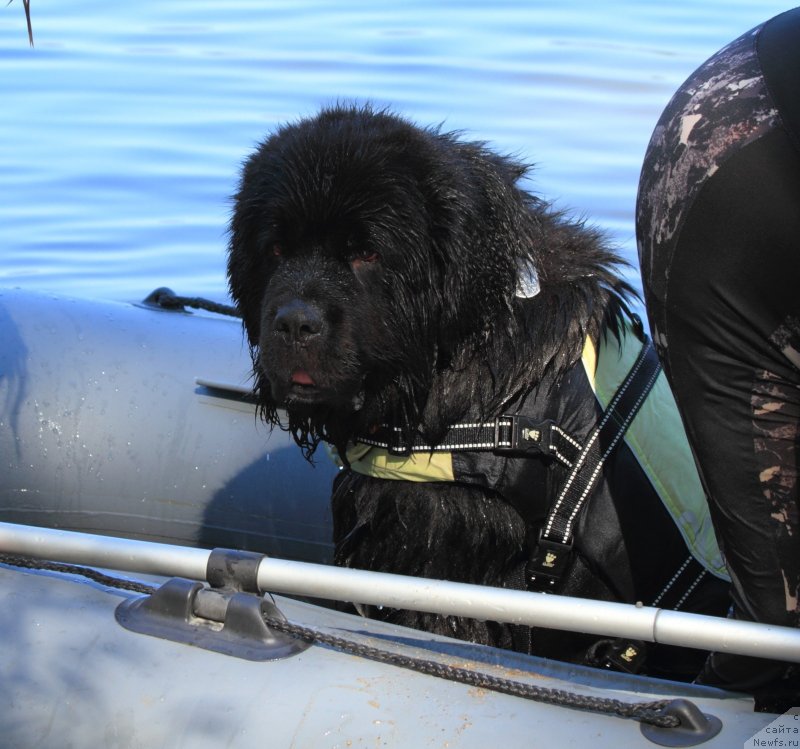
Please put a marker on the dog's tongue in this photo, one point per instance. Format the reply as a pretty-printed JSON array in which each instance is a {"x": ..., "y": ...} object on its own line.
[{"x": 301, "y": 377}]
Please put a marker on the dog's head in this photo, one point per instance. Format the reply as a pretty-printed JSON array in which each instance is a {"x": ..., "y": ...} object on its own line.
[
  {"x": 371, "y": 258},
  {"x": 359, "y": 260}
]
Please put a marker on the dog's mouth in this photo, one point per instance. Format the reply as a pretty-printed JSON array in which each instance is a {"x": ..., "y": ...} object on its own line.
[
  {"x": 301, "y": 391},
  {"x": 301, "y": 378},
  {"x": 302, "y": 387}
]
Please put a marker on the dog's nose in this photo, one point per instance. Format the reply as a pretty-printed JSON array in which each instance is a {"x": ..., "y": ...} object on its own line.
[{"x": 297, "y": 321}]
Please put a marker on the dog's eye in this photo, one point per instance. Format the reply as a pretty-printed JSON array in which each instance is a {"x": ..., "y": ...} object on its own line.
[{"x": 277, "y": 249}]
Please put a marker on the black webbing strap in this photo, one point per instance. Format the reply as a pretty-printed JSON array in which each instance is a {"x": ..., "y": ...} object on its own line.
[
  {"x": 510, "y": 434},
  {"x": 552, "y": 555}
]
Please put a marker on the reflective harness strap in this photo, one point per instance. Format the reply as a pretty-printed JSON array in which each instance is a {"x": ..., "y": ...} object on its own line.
[
  {"x": 550, "y": 559},
  {"x": 551, "y": 556},
  {"x": 516, "y": 435},
  {"x": 510, "y": 434}
]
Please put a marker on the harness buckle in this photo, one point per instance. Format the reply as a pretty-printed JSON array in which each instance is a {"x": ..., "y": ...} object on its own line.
[
  {"x": 548, "y": 564},
  {"x": 527, "y": 435},
  {"x": 619, "y": 654}
]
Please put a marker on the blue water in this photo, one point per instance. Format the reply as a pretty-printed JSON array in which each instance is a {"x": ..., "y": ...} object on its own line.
[{"x": 122, "y": 131}]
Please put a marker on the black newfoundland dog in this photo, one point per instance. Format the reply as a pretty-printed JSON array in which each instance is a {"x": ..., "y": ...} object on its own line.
[{"x": 399, "y": 287}]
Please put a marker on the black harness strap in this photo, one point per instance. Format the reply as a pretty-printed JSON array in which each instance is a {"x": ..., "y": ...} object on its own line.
[
  {"x": 551, "y": 557},
  {"x": 510, "y": 434}
]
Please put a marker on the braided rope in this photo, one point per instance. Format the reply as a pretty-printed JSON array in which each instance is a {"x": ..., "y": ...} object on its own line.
[
  {"x": 646, "y": 712},
  {"x": 177, "y": 302},
  {"x": 74, "y": 569}
]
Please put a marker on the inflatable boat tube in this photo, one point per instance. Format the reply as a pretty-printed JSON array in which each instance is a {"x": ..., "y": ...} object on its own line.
[{"x": 130, "y": 420}]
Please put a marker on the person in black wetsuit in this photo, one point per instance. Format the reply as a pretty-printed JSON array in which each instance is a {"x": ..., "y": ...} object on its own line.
[{"x": 718, "y": 229}]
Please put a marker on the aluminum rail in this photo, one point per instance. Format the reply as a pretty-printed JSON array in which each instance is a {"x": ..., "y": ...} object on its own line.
[
  {"x": 436, "y": 596},
  {"x": 104, "y": 551},
  {"x": 533, "y": 609}
]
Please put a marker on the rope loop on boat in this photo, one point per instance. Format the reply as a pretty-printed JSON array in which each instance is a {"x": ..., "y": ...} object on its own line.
[{"x": 167, "y": 299}]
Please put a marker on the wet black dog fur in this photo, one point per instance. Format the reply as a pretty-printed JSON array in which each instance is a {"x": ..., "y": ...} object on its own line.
[{"x": 375, "y": 265}]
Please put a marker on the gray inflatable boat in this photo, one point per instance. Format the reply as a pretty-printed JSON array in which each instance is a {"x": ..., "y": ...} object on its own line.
[
  {"x": 130, "y": 448},
  {"x": 132, "y": 420}
]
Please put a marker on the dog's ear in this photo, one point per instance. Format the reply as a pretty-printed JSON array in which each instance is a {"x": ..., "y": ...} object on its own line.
[{"x": 486, "y": 235}]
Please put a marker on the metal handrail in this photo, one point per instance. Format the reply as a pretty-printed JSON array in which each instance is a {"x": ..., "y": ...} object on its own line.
[{"x": 420, "y": 594}]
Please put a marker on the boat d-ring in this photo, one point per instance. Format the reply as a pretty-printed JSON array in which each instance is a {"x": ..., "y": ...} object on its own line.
[{"x": 695, "y": 727}]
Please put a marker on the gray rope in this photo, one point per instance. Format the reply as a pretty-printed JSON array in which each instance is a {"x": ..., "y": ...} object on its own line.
[
  {"x": 645, "y": 712},
  {"x": 74, "y": 569}
]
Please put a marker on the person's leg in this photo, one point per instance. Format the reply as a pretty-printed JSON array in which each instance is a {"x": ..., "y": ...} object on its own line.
[
  {"x": 719, "y": 233},
  {"x": 730, "y": 321}
]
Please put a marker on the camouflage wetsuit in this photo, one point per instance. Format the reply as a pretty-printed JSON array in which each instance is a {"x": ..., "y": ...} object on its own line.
[{"x": 718, "y": 227}]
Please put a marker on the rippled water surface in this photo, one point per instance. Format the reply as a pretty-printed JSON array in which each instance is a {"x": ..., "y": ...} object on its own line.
[{"x": 122, "y": 131}]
